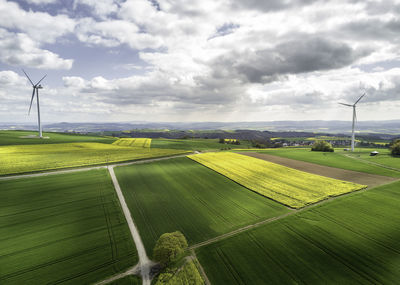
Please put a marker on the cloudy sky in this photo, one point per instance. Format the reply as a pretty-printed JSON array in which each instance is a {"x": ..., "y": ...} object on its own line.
[{"x": 209, "y": 60}]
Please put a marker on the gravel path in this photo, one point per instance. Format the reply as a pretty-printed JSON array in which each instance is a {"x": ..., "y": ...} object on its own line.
[{"x": 145, "y": 263}]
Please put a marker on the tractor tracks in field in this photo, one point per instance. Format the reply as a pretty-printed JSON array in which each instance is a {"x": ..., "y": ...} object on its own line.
[
  {"x": 131, "y": 271},
  {"x": 269, "y": 220}
]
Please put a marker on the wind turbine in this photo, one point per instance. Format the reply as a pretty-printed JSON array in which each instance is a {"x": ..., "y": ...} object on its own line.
[
  {"x": 354, "y": 119},
  {"x": 36, "y": 88}
]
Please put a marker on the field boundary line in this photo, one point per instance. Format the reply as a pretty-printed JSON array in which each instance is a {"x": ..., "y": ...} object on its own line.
[
  {"x": 200, "y": 267},
  {"x": 240, "y": 230},
  {"x": 145, "y": 263},
  {"x": 371, "y": 162},
  {"x": 269, "y": 220},
  {"x": 86, "y": 168}
]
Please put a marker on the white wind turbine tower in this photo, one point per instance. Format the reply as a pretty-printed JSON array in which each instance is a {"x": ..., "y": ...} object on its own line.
[
  {"x": 354, "y": 120},
  {"x": 36, "y": 88}
]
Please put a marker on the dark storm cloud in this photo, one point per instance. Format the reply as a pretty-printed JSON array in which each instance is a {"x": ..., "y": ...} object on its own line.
[
  {"x": 206, "y": 91},
  {"x": 302, "y": 55}
]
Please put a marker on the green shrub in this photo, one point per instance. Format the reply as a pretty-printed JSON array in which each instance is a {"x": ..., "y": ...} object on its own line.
[
  {"x": 187, "y": 274},
  {"x": 322, "y": 146},
  {"x": 169, "y": 247},
  {"x": 395, "y": 148}
]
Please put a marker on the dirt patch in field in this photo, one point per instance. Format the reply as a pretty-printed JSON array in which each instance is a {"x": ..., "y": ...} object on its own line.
[{"x": 371, "y": 180}]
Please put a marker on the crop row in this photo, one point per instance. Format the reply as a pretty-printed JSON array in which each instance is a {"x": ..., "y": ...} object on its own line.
[
  {"x": 353, "y": 240},
  {"x": 65, "y": 228},
  {"x": 288, "y": 186}
]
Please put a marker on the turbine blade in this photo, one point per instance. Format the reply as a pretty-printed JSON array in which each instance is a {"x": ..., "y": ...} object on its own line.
[
  {"x": 41, "y": 79},
  {"x": 30, "y": 106},
  {"x": 359, "y": 99},
  {"x": 28, "y": 78},
  {"x": 345, "y": 104}
]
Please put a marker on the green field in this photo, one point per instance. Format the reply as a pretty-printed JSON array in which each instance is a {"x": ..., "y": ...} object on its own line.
[
  {"x": 17, "y": 138},
  {"x": 384, "y": 157},
  {"x": 351, "y": 240},
  {"x": 196, "y": 144},
  {"x": 127, "y": 280},
  {"x": 180, "y": 194},
  {"x": 335, "y": 159},
  {"x": 62, "y": 228},
  {"x": 30, "y": 158}
]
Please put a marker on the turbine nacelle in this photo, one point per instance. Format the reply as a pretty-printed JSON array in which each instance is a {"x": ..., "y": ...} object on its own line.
[{"x": 354, "y": 105}]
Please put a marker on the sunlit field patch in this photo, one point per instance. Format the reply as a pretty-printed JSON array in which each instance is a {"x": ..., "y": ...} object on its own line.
[
  {"x": 134, "y": 142},
  {"x": 288, "y": 186},
  {"x": 30, "y": 158}
]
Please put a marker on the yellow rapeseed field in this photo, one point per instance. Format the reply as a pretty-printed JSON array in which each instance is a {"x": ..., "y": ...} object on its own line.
[
  {"x": 134, "y": 142},
  {"x": 30, "y": 158},
  {"x": 286, "y": 185}
]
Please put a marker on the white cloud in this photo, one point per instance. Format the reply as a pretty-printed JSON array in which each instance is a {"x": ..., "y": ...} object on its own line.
[
  {"x": 39, "y": 26},
  {"x": 101, "y": 8},
  {"x": 208, "y": 58},
  {"x": 19, "y": 50},
  {"x": 74, "y": 82},
  {"x": 112, "y": 33},
  {"x": 8, "y": 77}
]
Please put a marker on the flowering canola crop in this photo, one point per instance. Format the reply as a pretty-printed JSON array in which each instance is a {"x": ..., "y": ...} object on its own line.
[
  {"x": 286, "y": 185},
  {"x": 134, "y": 142}
]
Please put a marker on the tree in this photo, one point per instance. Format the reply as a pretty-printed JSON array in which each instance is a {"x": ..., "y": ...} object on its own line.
[
  {"x": 169, "y": 247},
  {"x": 221, "y": 140},
  {"x": 395, "y": 148},
  {"x": 322, "y": 146}
]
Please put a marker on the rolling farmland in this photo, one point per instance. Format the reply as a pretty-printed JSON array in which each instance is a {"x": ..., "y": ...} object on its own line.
[
  {"x": 384, "y": 157},
  {"x": 136, "y": 142},
  {"x": 70, "y": 228},
  {"x": 335, "y": 159},
  {"x": 30, "y": 158},
  {"x": 22, "y": 137},
  {"x": 62, "y": 228},
  {"x": 285, "y": 185},
  {"x": 180, "y": 194},
  {"x": 195, "y": 144},
  {"x": 351, "y": 240}
]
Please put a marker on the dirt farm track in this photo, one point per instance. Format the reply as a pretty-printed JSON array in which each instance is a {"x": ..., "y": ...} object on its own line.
[{"x": 371, "y": 180}]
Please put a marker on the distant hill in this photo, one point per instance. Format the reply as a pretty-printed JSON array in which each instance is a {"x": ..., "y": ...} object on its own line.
[{"x": 331, "y": 127}]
